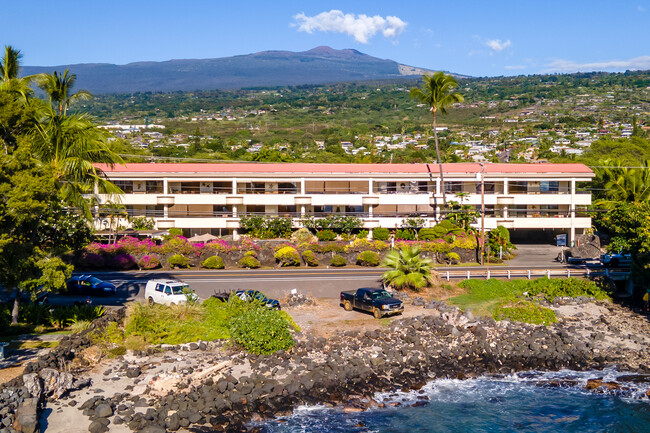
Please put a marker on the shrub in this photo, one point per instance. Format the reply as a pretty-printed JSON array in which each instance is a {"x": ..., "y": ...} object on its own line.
[
  {"x": 92, "y": 260},
  {"x": 178, "y": 261},
  {"x": 174, "y": 232},
  {"x": 261, "y": 331},
  {"x": 250, "y": 253},
  {"x": 249, "y": 262},
  {"x": 524, "y": 311},
  {"x": 365, "y": 244},
  {"x": 437, "y": 246},
  {"x": 220, "y": 245},
  {"x": 213, "y": 262},
  {"x": 287, "y": 256},
  {"x": 250, "y": 245},
  {"x": 149, "y": 262},
  {"x": 330, "y": 247},
  {"x": 381, "y": 234},
  {"x": 368, "y": 258},
  {"x": 303, "y": 236},
  {"x": 309, "y": 258},
  {"x": 338, "y": 261},
  {"x": 325, "y": 235},
  {"x": 449, "y": 238},
  {"x": 405, "y": 234},
  {"x": 445, "y": 227},
  {"x": 427, "y": 234},
  {"x": 123, "y": 262},
  {"x": 453, "y": 258},
  {"x": 363, "y": 234},
  {"x": 464, "y": 242}
]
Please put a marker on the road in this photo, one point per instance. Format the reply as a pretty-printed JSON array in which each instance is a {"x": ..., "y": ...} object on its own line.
[{"x": 320, "y": 283}]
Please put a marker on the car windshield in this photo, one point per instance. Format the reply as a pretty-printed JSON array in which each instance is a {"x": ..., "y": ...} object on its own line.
[
  {"x": 380, "y": 294},
  {"x": 259, "y": 296},
  {"x": 94, "y": 280},
  {"x": 179, "y": 290}
]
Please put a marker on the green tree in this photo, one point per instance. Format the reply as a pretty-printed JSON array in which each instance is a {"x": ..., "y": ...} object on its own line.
[
  {"x": 9, "y": 79},
  {"x": 71, "y": 144},
  {"x": 408, "y": 269},
  {"x": 615, "y": 183},
  {"x": 27, "y": 240},
  {"x": 438, "y": 93}
]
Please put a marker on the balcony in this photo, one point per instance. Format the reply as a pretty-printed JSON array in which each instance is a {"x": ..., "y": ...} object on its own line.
[{"x": 165, "y": 199}]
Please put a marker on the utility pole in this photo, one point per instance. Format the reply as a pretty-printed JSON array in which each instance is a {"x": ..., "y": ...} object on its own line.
[{"x": 482, "y": 212}]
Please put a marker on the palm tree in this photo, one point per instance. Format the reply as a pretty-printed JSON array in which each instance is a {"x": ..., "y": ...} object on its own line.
[
  {"x": 622, "y": 184},
  {"x": 9, "y": 68},
  {"x": 438, "y": 93},
  {"x": 71, "y": 144},
  {"x": 409, "y": 270},
  {"x": 58, "y": 88}
]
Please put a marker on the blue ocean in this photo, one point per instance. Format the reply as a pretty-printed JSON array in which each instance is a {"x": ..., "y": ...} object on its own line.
[{"x": 531, "y": 402}]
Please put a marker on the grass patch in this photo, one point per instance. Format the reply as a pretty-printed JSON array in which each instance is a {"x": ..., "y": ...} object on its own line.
[
  {"x": 33, "y": 344},
  {"x": 484, "y": 296},
  {"x": 249, "y": 324},
  {"x": 524, "y": 311}
]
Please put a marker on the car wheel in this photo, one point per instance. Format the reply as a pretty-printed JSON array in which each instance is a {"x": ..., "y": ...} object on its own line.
[
  {"x": 347, "y": 305},
  {"x": 377, "y": 313},
  {"x": 150, "y": 300}
]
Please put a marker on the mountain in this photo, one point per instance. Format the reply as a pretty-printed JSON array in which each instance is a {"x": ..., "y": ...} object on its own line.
[{"x": 267, "y": 68}]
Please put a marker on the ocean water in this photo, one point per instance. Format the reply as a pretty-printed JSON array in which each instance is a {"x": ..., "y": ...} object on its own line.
[{"x": 508, "y": 404}]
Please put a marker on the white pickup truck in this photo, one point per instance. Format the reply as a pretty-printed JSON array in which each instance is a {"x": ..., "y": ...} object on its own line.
[{"x": 168, "y": 292}]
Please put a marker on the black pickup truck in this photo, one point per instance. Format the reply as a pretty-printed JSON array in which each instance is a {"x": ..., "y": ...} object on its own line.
[{"x": 378, "y": 301}]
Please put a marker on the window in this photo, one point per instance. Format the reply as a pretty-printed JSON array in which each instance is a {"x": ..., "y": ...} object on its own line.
[
  {"x": 125, "y": 185},
  {"x": 168, "y": 290},
  {"x": 159, "y": 287},
  {"x": 546, "y": 187},
  {"x": 453, "y": 186}
]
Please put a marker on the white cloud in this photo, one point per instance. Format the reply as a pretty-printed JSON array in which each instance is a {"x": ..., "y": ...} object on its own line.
[
  {"x": 640, "y": 8},
  {"x": 497, "y": 45},
  {"x": 514, "y": 67},
  {"x": 637, "y": 63},
  {"x": 361, "y": 27}
]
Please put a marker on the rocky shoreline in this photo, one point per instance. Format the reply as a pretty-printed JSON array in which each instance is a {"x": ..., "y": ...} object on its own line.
[{"x": 208, "y": 386}]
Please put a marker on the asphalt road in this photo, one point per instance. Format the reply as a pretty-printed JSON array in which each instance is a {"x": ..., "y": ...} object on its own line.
[{"x": 322, "y": 283}]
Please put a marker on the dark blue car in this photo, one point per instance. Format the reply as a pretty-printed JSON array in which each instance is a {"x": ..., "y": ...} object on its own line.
[
  {"x": 87, "y": 285},
  {"x": 251, "y": 295}
]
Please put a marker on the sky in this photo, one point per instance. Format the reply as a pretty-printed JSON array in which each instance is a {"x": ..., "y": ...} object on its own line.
[{"x": 471, "y": 37}]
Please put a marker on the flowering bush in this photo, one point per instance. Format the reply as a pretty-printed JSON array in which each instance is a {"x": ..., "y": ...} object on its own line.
[
  {"x": 249, "y": 244},
  {"x": 123, "y": 262},
  {"x": 132, "y": 245},
  {"x": 220, "y": 245},
  {"x": 326, "y": 235},
  {"x": 178, "y": 245},
  {"x": 365, "y": 244},
  {"x": 336, "y": 247},
  {"x": 92, "y": 260},
  {"x": 149, "y": 262}
]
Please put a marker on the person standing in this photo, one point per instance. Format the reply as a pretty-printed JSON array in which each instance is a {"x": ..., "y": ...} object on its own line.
[{"x": 646, "y": 299}]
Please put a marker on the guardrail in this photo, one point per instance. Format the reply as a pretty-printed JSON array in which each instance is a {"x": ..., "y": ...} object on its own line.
[{"x": 533, "y": 273}]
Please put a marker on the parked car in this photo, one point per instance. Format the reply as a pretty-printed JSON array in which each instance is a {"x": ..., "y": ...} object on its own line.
[
  {"x": 618, "y": 260},
  {"x": 249, "y": 296},
  {"x": 41, "y": 297},
  {"x": 377, "y": 301},
  {"x": 87, "y": 285},
  {"x": 168, "y": 292}
]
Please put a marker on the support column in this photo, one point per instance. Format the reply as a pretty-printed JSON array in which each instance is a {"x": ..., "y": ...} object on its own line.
[
  {"x": 234, "y": 211},
  {"x": 369, "y": 237},
  {"x": 302, "y": 211},
  {"x": 302, "y": 186},
  {"x": 505, "y": 192},
  {"x": 572, "y": 210},
  {"x": 370, "y": 186},
  {"x": 234, "y": 185}
]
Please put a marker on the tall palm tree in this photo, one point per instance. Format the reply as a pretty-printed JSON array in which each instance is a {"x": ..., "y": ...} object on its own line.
[
  {"x": 438, "y": 93},
  {"x": 409, "y": 270},
  {"x": 621, "y": 184},
  {"x": 9, "y": 79},
  {"x": 71, "y": 144}
]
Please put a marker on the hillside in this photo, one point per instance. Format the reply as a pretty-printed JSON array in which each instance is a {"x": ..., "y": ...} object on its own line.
[{"x": 267, "y": 68}]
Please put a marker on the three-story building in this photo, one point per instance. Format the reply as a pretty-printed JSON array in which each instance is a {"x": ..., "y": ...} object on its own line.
[{"x": 528, "y": 199}]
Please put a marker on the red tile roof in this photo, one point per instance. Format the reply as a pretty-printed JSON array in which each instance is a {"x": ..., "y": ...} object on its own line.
[{"x": 269, "y": 168}]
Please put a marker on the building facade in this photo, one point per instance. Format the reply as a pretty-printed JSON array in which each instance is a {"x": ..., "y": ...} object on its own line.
[{"x": 199, "y": 198}]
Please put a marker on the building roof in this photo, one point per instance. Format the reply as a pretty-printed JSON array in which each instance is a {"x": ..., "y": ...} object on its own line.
[{"x": 307, "y": 168}]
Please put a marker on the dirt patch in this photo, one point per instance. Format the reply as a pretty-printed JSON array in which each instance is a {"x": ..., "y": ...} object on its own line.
[
  {"x": 6, "y": 374},
  {"x": 327, "y": 317}
]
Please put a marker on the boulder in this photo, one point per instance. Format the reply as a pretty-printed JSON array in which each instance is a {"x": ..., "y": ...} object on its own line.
[
  {"x": 26, "y": 419},
  {"x": 56, "y": 383}
]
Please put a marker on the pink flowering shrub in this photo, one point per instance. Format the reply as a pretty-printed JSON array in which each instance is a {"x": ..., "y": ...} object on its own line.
[
  {"x": 92, "y": 260},
  {"x": 135, "y": 246},
  {"x": 149, "y": 262},
  {"x": 220, "y": 245},
  {"x": 178, "y": 245},
  {"x": 248, "y": 244},
  {"x": 123, "y": 262}
]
